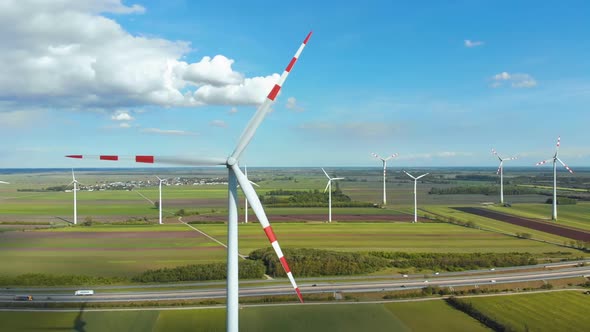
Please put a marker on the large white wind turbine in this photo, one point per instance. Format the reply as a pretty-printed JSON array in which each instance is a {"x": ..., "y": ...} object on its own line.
[
  {"x": 236, "y": 176},
  {"x": 160, "y": 200},
  {"x": 555, "y": 160},
  {"x": 415, "y": 195},
  {"x": 384, "y": 160},
  {"x": 329, "y": 188},
  {"x": 246, "y": 199},
  {"x": 501, "y": 172}
]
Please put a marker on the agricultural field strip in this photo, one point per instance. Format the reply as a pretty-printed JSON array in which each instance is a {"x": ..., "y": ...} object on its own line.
[
  {"x": 208, "y": 236},
  {"x": 285, "y": 290},
  {"x": 500, "y": 227},
  {"x": 553, "y": 228}
]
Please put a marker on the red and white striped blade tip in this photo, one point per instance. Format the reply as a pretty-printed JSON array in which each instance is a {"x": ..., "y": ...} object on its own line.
[{"x": 154, "y": 159}]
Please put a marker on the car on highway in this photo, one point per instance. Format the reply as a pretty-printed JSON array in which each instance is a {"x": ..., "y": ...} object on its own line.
[
  {"x": 23, "y": 297},
  {"x": 492, "y": 280},
  {"x": 405, "y": 275}
]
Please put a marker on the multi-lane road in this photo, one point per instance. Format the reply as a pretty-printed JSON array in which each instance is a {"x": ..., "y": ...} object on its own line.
[{"x": 217, "y": 290}]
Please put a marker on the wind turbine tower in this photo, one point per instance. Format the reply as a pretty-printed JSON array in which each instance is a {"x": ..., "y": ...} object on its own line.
[
  {"x": 75, "y": 189},
  {"x": 415, "y": 195},
  {"x": 555, "y": 159},
  {"x": 501, "y": 172},
  {"x": 329, "y": 188},
  {"x": 235, "y": 176},
  {"x": 160, "y": 200},
  {"x": 384, "y": 160}
]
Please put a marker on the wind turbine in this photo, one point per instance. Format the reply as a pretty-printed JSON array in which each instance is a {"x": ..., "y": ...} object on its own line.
[
  {"x": 4, "y": 182},
  {"x": 75, "y": 183},
  {"x": 160, "y": 200},
  {"x": 415, "y": 199},
  {"x": 501, "y": 172},
  {"x": 384, "y": 160},
  {"x": 246, "y": 199},
  {"x": 236, "y": 176},
  {"x": 329, "y": 188},
  {"x": 555, "y": 160}
]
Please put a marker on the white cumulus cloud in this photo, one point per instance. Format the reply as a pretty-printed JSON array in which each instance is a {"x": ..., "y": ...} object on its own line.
[
  {"x": 472, "y": 43},
  {"x": 516, "y": 80},
  {"x": 174, "y": 132},
  {"x": 122, "y": 116},
  {"x": 68, "y": 54},
  {"x": 292, "y": 105}
]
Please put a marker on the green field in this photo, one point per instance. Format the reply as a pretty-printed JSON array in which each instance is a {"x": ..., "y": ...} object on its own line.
[
  {"x": 577, "y": 215},
  {"x": 554, "y": 311},
  {"x": 422, "y": 316},
  {"x": 114, "y": 250}
]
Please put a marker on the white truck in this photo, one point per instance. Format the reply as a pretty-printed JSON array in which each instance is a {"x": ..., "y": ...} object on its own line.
[{"x": 83, "y": 292}]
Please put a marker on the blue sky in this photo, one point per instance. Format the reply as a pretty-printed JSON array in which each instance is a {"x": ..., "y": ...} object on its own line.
[{"x": 440, "y": 83}]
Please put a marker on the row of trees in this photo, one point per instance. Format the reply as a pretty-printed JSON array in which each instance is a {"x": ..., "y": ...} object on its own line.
[
  {"x": 38, "y": 279},
  {"x": 455, "y": 261},
  {"x": 248, "y": 269},
  {"x": 314, "y": 262},
  {"x": 311, "y": 198}
]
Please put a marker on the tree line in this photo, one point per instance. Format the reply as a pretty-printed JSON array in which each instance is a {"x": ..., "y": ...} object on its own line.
[
  {"x": 248, "y": 269},
  {"x": 455, "y": 261},
  {"x": 310, "y": 198}
]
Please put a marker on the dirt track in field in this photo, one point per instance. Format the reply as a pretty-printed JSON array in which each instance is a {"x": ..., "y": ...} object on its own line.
[{"x": 543, "y": 226}]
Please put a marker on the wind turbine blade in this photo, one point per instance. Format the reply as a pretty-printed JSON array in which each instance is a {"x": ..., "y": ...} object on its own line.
[
  {"x": 376, "y": 155},
  {"x": 337, "y": 179},
  {"x": 327, "y": 185},
  {"x": 157, "y": 177},
  {"x": 511, "y": 158},
  {"x": 261, "y": 215},
  {"x": 494, "y": 152},
  {"x": 566, "y": 167},
  {"x": 410, "y": 175},
  {"x": 392, "y": 156},
  {"x": 558, "y": 143},
  {"x": 155, "y": 159},
  {"x": 250, "y": 130},
  {"x": 326, "y": 174},
  {"x": 421, "y": 176},
  {"x": 254, "y": 183},
  {"x": 500, "y": 167},
  {"x": 543, "y": 162},
  {"x": 4, "y": 182}
]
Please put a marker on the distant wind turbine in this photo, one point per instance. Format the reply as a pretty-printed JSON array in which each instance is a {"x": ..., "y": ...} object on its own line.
[
  {"x": 384, "y": 160},
  {"x": 415, "y": 195},
  {"x": 555, "y": 160},
  {"x": 329, "y": 188},
  {"x": 246, "y": 199},
  {"x": 75, "y": 189},
  {"x": 501, "y": 172}
]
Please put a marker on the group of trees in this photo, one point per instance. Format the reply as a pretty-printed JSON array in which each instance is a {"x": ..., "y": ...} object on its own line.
[
  {"x": 314, "y": 262},
  {"x": 248, "y": 269},
  {"x": 455, "y": 261},
  {"x": 562, "y": 201},
  {"x": 468, "y": 308},
  {"x": 311, "y": 198}
]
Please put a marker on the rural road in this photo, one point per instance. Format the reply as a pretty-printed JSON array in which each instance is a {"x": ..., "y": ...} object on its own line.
[{"x": 321, "y": 287}]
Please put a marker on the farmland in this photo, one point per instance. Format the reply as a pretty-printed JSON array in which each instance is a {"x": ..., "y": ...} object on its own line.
[
  {"x": 530, "y": 312},
  {"x": 114, "y": 250},
  {"x": 334, "y": 317},
  {"x": 123, "y": 249}
]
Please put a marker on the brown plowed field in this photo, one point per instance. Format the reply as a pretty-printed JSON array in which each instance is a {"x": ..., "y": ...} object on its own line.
[{"x": 543, "y": 226}]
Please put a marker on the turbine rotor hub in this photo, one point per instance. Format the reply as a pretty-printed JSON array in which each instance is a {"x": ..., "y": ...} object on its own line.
[{"x": 231, "y": 161}]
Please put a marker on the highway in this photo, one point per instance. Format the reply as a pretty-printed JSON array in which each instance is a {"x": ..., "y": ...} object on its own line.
[{"x": 485, "y": 277}]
